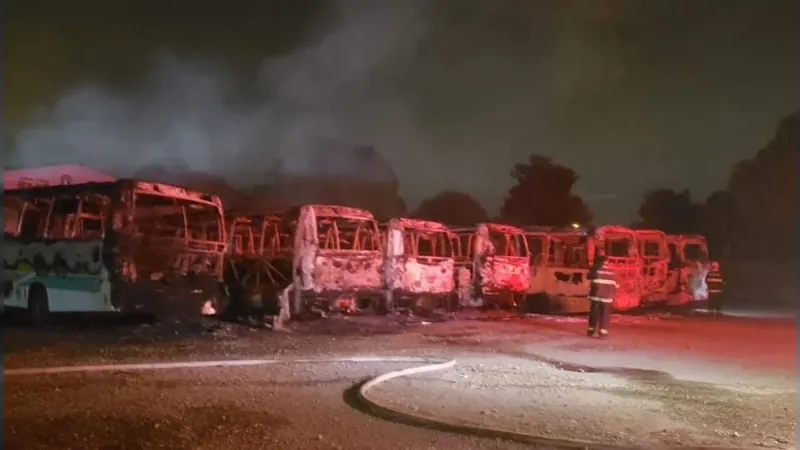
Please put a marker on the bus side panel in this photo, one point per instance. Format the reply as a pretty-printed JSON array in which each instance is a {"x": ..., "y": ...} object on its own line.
[{"x": 72, "y": 271}]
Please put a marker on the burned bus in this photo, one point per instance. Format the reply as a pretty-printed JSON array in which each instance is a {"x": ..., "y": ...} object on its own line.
[
  {"x": 121, "y": 246},
  {"x": 559, "y": 276},
  {"x": 330, "y": 258},
  {"x": 621, "y": 248},
  {"x": 654, "y": 253},
  {"x": 492, "y": 266},
  {"x": 692, "y": 277},
  {"x": 419, "y": 268},
  {"x": 559, "y": 270}
]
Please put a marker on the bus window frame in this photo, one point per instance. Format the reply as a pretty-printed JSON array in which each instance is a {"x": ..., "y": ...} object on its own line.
[
  {"x": 41, "y": 232},
  {"x": 70, "y": 230},
  {"x": 181, "y": 203}
]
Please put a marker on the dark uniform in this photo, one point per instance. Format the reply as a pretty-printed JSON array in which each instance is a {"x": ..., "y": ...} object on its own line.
[
  {"x": 715, "y": 285},
  {"x": 601, "y": 295}
]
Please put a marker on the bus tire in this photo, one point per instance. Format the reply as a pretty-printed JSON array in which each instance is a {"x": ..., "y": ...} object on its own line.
[{"x": 38, "y": 307}]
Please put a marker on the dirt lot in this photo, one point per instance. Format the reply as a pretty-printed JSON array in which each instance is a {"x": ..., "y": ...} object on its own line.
[{"x": 660, "y": 379}]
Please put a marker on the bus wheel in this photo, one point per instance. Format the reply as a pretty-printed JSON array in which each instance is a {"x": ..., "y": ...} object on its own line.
[{"x": 38, "y": 308}]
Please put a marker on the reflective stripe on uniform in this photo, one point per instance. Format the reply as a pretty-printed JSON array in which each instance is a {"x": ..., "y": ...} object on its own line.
[
  {"x": 602, "y": 331},
  {"x": 601, "y": 299},
  {"x": 602, "y": 281}
]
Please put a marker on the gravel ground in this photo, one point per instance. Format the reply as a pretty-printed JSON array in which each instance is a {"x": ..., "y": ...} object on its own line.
[
  {"x": 257, "y": 408},
  {"x": 633, "y": 407},
  {"x": 660, "y": 379}
]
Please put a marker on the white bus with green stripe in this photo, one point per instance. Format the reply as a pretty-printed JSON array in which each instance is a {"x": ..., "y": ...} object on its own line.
[{"x": 122, "y": 246}]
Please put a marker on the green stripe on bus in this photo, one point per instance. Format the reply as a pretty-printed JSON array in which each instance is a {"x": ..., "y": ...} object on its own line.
[{"x": 80, "y": 284}]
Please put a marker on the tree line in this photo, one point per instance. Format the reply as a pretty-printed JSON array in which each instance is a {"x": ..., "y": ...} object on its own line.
[{"x": 754, "y": 216}]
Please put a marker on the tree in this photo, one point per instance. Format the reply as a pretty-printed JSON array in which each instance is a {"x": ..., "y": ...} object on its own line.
[
  {"x": 763, "y": 192},
  {"x": 451, "y": 208},
  {"x": 669, "y": 211},
  {"x": 543, "y": 195},
  {"x": 755, "y": 217},
  {"x": 675, "y": 213},
  {"x": 716, "y": 223}
]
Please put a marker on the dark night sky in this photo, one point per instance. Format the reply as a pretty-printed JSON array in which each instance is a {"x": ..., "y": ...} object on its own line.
[{"x": 633, "y": 94}]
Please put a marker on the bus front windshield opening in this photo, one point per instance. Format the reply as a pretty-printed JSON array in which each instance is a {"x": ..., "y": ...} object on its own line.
[
  {"x": 346, "y": 234},
  {"x": 618, "y": 248},
  {"x": 508, "y": 244},
  {"x": 651, "y": 249},
  {"x": 169, "y": 217},
  {"x": 694, "y": 252},
  {"x": 436, "y": 244}
]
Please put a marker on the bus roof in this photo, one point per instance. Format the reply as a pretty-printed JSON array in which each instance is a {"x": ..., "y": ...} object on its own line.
[
  {"x": 320, "y": 210},
  {"x": 416, "y": 224},
  {"x": 491, "y": 226},
  {"x": 109, "y": 187}
]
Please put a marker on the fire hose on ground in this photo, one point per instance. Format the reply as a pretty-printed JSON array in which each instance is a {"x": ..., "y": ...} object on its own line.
[{"x": 359, "y": 395}]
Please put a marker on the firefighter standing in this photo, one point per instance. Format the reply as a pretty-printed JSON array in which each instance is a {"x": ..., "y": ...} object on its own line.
[
  {"x": 714, "y": 283},
  {"x": 715, "y": 290},
  {"x": 601, "y": 295}
]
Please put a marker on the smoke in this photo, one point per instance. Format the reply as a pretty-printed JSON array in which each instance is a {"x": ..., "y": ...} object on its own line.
[
  {"x": 180, "y": 113},
  {"x": 338, "y": 85},
  {"x": 433, "y": 86}
]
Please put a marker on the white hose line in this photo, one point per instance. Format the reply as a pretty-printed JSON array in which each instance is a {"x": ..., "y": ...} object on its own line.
[{"x": 429, "y": 365}]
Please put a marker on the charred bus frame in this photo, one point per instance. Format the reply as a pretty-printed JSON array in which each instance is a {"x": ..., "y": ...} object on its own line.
[
  {"x": 493, "y": 265},
  {"x": 654, "y": 252},
  {"x": 122, "y": 246},
  {"x": 560, "y": 259},
  {"x": 693, "y": 276},
  {"x": 419, "y": 265},
  {"x": 330, "y": 255}
]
